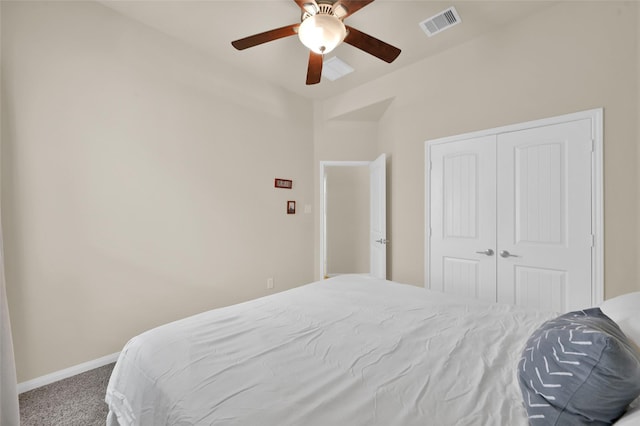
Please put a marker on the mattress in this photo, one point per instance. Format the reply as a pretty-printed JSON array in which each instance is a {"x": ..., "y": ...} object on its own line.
[{"x": 351, "y": 350}]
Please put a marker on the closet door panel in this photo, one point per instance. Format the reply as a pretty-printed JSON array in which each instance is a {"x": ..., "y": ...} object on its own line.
[
  {"x": 539, "y": 191},
  {"x": 462, "y": 218},
  {"x": 539, "y": 287},
  {"x": 544, "y": 216}
]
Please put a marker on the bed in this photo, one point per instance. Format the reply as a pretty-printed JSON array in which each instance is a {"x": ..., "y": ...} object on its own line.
[{"x": 351, "y": 350}]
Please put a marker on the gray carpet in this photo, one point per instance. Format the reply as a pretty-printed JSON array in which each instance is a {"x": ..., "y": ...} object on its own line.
[{"x": 76, "y": 401}]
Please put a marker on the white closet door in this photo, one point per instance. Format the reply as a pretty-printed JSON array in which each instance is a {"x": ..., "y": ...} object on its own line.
[
  {"x": 463, "y": 217},
  {"x": 544, "y": 216}
]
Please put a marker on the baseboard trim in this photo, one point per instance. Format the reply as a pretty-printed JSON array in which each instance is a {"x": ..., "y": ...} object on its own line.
[{"x": 66, "y": 373}]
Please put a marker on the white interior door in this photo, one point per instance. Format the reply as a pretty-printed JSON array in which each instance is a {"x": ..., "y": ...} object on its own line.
[
  {"x": 378, "y": 218},
  {"x": 463, "y": 217},
  {"x": 544, "y": 216}
]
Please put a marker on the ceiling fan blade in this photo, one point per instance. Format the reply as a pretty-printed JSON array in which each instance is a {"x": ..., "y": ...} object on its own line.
[
  {"x": 371, "y": 45},
  {"x": 352, "y": 6},
  {"x": 266, "y": 36},
  {"x": 314, "y": 71}
]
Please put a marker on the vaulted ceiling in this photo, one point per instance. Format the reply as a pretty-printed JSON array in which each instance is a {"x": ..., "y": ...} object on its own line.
[{"x": 210, "y": 26}]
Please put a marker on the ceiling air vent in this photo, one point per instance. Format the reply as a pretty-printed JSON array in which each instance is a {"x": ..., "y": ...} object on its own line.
[
  {"x": 440, "y": 22},
  {"x": 335, "y": 68}
]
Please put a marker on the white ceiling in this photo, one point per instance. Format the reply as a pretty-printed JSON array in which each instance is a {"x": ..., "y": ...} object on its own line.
[{"x": 211, "y": 25}]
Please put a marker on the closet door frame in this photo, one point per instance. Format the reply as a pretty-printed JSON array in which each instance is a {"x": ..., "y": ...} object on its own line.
[{"x": 597, "y": 204}]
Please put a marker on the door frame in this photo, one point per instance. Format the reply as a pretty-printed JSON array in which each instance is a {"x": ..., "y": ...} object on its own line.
[
  {"x": 597, "y": 179},
  {"x": 323, "y": 203}
]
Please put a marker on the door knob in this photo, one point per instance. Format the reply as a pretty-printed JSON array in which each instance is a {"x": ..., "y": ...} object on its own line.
[
  {"x": 506, "y": 254},
  {"x": 488, "y": 252}
]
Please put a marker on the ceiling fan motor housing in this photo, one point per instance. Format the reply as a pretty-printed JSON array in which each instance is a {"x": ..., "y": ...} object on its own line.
[{"x": 328, "y": 7}]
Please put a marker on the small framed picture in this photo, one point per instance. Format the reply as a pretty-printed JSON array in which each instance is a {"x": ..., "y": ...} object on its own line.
[
  {"x": 291, "y": 207},
  {"x": 283, "y": 183}
]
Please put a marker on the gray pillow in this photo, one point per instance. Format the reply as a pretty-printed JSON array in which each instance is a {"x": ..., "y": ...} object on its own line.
[{"x": 578, "y": 369}]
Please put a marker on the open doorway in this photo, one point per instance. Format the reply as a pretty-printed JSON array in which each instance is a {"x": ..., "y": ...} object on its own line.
[
  {"x": 353, "y": 217},
  {"x": 347, "y": 220}
]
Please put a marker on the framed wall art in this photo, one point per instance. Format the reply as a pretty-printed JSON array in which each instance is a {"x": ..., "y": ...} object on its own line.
[{"x": 283, "y": 183}]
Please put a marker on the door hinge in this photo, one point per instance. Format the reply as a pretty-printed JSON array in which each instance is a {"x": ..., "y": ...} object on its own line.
[{"x": 593, "y": 240}]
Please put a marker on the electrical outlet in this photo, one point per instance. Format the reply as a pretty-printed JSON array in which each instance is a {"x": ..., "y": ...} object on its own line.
[{"x": 269, "y": 283}]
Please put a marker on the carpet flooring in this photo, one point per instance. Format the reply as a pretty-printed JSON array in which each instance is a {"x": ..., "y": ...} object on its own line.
[{"x": 75, "y": 401}]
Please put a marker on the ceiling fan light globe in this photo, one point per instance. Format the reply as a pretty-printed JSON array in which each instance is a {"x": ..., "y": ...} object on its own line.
[{"x": 322, "y": 33}]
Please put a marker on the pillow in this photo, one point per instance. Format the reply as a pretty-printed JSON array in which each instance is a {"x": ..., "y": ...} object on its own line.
[
  {"x": 578, "y": 369},
  {"x": 625, "y": 311}
]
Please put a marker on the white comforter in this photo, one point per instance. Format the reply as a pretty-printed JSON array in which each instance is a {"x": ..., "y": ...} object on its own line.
[{"x": 351, "y": 350}]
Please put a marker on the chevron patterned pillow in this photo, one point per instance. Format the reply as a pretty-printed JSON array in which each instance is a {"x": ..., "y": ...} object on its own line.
[{"x": 578, "y": 369}]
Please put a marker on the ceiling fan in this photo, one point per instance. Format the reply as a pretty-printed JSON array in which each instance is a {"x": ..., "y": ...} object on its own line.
[{"x": 321, "y": 30}]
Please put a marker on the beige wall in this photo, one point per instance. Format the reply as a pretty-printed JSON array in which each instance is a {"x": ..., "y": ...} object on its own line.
[
  {"x": 569, "y": 57},
  {"x": 347, "y": 219},
  {"x": 137, "y": 182}
]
